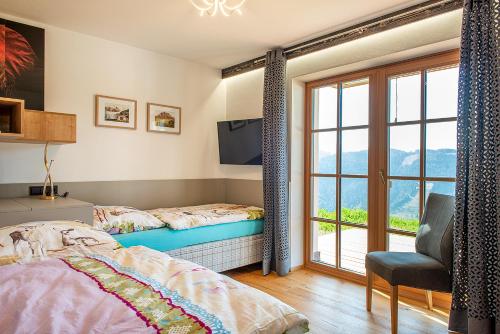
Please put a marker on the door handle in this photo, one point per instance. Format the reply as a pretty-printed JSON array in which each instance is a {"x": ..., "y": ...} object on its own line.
[{"x": 382, "y": 177}]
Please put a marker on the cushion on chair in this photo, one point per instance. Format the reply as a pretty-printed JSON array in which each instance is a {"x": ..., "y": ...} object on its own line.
[
  {"x": 409, "y": 269},
  {"x": 435, "y": 234}
]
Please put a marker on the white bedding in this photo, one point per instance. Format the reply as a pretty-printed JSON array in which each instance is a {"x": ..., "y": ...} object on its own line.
[{"x": 203, "y": 215}]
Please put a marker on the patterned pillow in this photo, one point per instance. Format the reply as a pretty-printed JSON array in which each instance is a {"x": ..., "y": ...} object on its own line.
[
  {"x": 204, "y": 215},
  {"x": 37, "y": 240},
  {"x": 122, "y": 219}
]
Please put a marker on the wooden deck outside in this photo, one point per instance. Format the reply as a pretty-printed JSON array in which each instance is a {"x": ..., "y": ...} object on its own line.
[{"x": 354, "y": 248}]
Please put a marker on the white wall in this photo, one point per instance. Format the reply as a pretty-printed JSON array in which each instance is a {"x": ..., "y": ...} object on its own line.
[
  {"x": 245, "y": 92},
  {"x": 79, "y": 66}
]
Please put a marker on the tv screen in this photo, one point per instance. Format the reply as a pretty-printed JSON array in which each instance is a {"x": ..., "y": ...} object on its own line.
[{"x": 240, "y": 142}]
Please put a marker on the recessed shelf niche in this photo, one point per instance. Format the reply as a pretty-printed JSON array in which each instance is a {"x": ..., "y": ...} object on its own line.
[{"x": 11, "y": 118}]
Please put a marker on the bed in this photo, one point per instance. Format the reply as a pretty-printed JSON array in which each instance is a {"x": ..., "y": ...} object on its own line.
[
  {"x": 165, "y": 239},
  {"x": 217, "y": 236},
  {"x": 218, "y": 247},
  {"x": 68, "y": 277}
]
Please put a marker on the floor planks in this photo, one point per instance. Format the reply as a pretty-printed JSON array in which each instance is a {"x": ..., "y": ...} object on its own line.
[{"x": 337, "y": 306}]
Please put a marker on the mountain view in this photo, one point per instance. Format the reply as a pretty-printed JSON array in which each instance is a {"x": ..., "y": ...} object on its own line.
[{"x": 404, "y": 194}]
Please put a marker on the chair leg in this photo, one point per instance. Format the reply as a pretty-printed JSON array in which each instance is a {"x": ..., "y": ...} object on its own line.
[
  {"x": 394, "y": 309},
  {"x": 428, "y": 297},
  {"x": 369, "y": 287}
]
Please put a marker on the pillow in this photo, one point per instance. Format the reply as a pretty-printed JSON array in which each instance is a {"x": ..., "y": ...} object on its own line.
[
  {"x": 37, "y": 240},
  {"x": 204, "y": 215},
  {"x": 122, "y": 219}
]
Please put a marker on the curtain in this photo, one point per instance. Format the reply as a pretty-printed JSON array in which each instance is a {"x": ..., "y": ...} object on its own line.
[
  {"x": 276, "y": 252},
  {"x": 476, "y": 272}
]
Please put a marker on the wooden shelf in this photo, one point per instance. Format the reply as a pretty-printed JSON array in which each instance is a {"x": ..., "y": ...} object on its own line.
[
  {"x": 45, "y": 126},
  {"x": 33, "y": 126},
  {"x": 10, "y": 135}
]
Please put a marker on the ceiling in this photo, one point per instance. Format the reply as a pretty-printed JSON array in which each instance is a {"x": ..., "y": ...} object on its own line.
[{"x": 173, "y": 27}]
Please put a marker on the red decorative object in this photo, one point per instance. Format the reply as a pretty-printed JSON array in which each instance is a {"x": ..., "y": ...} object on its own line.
[
  {"x": 16, "y": 56},
  {"x": 22, "y": 69}
]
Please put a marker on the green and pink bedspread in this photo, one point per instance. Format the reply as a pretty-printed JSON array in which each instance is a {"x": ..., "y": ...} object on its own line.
[{"x": 135, "y": 290}]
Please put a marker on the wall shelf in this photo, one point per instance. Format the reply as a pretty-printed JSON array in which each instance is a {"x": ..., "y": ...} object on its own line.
[
  {"x": 10, "y": 135},
  {"x": 32, "y": 126}
]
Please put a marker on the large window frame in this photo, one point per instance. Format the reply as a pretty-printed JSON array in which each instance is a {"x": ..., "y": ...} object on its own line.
[
  {"x": 377, "y": 225},
  {"x": 421, "y": 65},
  {"x": 338, "y": 175}
]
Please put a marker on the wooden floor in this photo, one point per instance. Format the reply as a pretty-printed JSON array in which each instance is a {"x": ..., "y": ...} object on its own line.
[{"x": 337, "y": 306}]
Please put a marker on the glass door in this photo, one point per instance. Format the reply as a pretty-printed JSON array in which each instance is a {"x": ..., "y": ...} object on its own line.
[
  {"x": 377, "y": 142},
  {"x": 338, "y": 179},
  {"x": 421, "y": 148}
]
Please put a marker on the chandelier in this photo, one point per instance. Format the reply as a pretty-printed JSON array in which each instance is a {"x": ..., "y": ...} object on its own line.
[{"x": 212, "y": 7}]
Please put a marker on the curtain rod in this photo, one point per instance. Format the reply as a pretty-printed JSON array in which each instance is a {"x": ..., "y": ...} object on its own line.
[{"x": 382, "y": 23}]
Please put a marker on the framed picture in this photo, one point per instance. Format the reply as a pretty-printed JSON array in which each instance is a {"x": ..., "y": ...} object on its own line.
[
  {"x": 115, "y": 112},
  {"x": 162, "y": 118}
]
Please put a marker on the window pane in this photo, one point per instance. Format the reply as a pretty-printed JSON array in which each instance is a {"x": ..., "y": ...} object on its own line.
[
  {"x": 324, "y": 152},
  {"x": 354, "y": 200},
  {"x": 404, "y": 98},
  {"x": 442, "y": 93},
  {"x": 439, "y": 187},
  {"x": 404, "y": 154},
  {"x": 323, "y": 196},
  {"x": 401, "y": 243},
  {"x": 323, "y": 242},
  {"x": 353, "y": 246},
  {"x": 355, "y": 152},
  {"x": 404, "y": 204},
  {"x": 355, "y": 102},
  {"x": 441, "y": 149},
  {"x": 324, "y": 107}
]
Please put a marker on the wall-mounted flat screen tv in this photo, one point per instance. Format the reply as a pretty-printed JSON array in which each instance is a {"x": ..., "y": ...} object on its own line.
[{"x": 240, "y": 142}]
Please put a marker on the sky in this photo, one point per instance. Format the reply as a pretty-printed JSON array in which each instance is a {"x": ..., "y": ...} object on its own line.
[{"x": 404, "y": 96}]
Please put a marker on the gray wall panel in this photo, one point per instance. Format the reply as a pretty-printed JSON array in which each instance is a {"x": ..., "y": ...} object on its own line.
[
  {"x": 248, "y": 192},
  {"x": 150, "y": 194}
]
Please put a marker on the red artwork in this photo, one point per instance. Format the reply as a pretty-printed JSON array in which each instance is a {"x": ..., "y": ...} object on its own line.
[
  {"x": 16, "y": 56},
  {"x": 22, "y": 50}
]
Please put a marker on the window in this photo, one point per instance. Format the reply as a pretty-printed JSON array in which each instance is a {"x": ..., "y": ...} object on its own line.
[
  {"x": 421, "y": 128},
  {"x": 377, "y": 143},
  {"x": 339, "y": 173}
]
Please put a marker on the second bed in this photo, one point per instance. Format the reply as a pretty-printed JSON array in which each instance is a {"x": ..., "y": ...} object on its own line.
[{"x": 217, "y": 236}]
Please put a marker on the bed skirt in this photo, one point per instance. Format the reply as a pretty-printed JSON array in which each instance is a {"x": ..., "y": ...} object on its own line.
[{"x": 223, "y": 255}]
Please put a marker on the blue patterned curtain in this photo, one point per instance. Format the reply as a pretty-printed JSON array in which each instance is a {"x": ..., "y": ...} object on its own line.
[
  {"x": 276, "y": 253},
  {"x": 476, "y": 273}
]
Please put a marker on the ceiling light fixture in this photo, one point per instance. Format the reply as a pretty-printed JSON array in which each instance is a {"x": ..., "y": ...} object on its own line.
[{"x": 212, "y": 7}]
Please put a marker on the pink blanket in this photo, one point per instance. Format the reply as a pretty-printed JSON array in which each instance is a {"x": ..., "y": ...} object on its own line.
[
  {"x": 46, "y": 297},
  {"x": 135, "y": 290},
  {"x": 85, "y": 295}
]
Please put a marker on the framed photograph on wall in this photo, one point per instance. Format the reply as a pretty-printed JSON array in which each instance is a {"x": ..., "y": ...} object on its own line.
[
  {"x": 163, "y": 118},
  {"x": 115, "y": 112}
]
